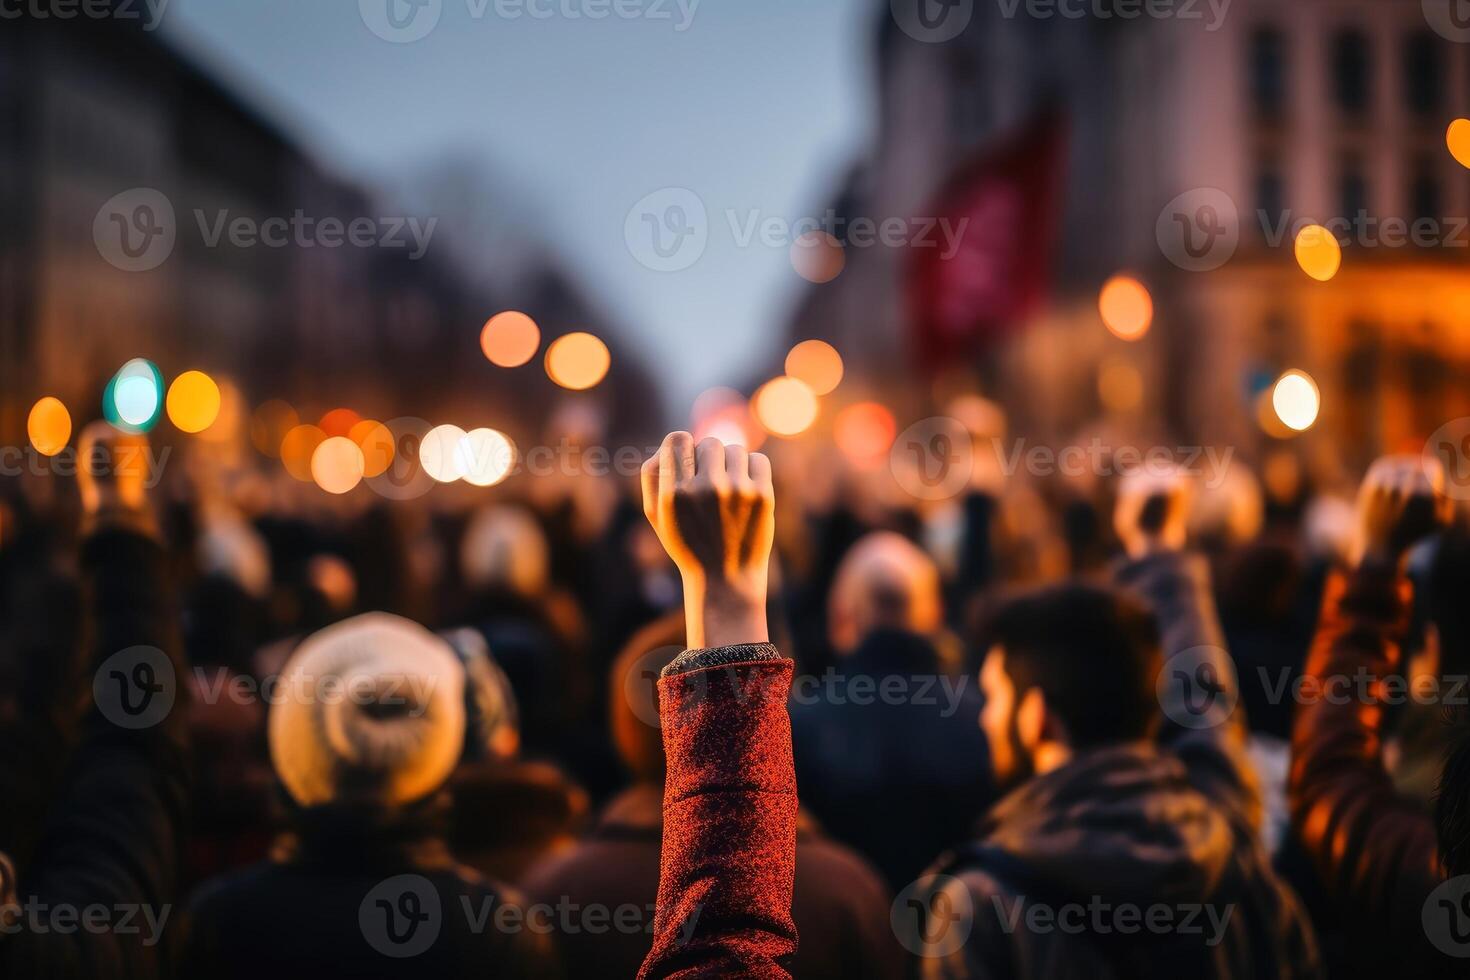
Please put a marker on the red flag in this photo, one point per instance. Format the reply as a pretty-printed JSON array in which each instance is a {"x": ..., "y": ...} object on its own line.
[{"x": 1003, "y": 207}]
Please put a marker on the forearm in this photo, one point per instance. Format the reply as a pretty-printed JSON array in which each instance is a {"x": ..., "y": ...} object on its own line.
[{"x": 729, "y": 838}]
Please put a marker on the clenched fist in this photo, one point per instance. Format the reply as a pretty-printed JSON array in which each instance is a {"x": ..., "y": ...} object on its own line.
[
  {"x": 1152, "y": 513},
  {"x": 713, "y": 509},
  {"x": 1402, "y": 500}
]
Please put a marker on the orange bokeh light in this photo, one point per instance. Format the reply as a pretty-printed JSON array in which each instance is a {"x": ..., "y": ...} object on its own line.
[
  {"x": 818, "y": 257},
  {"x": 376, "y": 442},
  {"x": 338, "y": 422},
  {"x": 785, "y": 406},
  {"x": 1127, "y": 308},
  {"x": 1318, "y": 252},
  {"x": 817, "y": 363},
  {"x": 337, "y": 464},
  {"x": 49, "y": 426},
  {"x": 297, "y": 449},
  {"x": 510, "y": 339},
  {"x": 865, "y": 432},
  {"x": 1457, "y": 138},
  {"x": 577, "y": 361}
]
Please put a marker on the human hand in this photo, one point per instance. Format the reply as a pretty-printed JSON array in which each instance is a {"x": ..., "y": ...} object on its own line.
[
  {"x": 1401, "y": 501},
  {"x": 113, "y": 469},
  {"x": 1152, "y": 513},
  {"x": 713, "y": 509}
]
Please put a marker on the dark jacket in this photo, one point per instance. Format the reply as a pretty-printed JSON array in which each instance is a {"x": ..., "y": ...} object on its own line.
[
  {"x": 115, "y": 834},
  {"x": 898, "y": 778},
  {"x": 1066, "y": 874},
  {"x": 839, "y": 904},
  {"x": 1375, "y": 851},
  {"x": 346, "y": 898},
  {"x": 728, "y": 858}
]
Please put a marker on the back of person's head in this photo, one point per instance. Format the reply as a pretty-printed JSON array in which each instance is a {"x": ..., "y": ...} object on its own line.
[
  {"x": 370, "y": 712},
  {"x": 504, "y": 548},
  {"x": 1452, "y": 802},
  {"x": 1092, "y": 652},
  {"x": 633, "y": 696},
  {"x": 885, "y": 581}
]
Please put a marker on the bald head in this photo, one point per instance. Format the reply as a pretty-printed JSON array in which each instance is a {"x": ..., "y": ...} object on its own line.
[{"x": 884, "y": 582}]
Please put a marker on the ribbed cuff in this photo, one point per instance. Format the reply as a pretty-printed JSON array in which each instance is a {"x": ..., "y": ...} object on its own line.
[{"x": 691, "y": 660}]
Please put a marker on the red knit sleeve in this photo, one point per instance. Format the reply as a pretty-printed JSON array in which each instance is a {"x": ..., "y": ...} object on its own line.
[{"x": 729, "y": 839}]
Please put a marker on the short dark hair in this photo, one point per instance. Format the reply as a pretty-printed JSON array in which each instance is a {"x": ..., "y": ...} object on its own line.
[
  {"x": 1452, "y": 801},
  {"x": 1093, "y": 652}
]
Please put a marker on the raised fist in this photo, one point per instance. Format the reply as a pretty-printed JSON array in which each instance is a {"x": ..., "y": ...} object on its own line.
[
  {"x": 1152, "y": 513},
  {"x": 713, "y": 508},
  {"x": 1401, "y": 500}
]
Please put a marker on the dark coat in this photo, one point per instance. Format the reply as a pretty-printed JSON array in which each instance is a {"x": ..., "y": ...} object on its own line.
[
  {"x": 839, "y": 904},
  {"x": 346, "y": 899},
  {"x": 115, "y": 835},
  {"x": 899, "y": 779},
  {"x": 1130, "y": 834}
]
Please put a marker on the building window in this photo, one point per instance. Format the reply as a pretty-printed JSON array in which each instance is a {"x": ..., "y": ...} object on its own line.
[
  {"x": 1423, "y": 191},
  {"x": 1423, "y": 73},
  {"x": 1268, "y": 72},
  {"x": 1351, "y": 70},
  {"x": 1352, "y": 188}
]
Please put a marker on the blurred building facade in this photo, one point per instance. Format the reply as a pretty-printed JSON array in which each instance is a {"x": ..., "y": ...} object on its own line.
[
  {"x": 94, "y": 108},
  {"x": 1312, "y": 110}
]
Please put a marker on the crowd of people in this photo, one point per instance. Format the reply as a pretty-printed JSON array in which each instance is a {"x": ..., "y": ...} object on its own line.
[{"x": 724, "y": 724}]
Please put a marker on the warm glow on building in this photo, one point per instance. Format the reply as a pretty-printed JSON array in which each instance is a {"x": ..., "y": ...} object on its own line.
[
  {"x": 510, "y": 339},
  {"x": 193, "y": 401},
  {"x": 49, "y": 426},
  {"x": 1296, "y": 400},
  {"x": 865, "y": 432},
  {"x": 817, "y": 363},
  {"x": 785, "y": 406},
  {"x": 577, "y": 361},
  {"x": 439, "y": 455},
  {"x": 337, "y": 464},
  {"x": 484, "y": 457},
  {"x": 1126, "y": 307},
  {"x": 297, "y": 449},
  {"x": 1318, "y": 252}
]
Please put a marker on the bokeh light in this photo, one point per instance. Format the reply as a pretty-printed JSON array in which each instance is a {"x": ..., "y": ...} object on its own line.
[
  {"x": 1318, "y": 252},
  {"x": 49, "y": 426},
  {"x": 865, "y": 432},
  {"x": 438, "y": 453},
  {"x": 297, "y": 449},
  {"x": 1296, "y": 400},
  {"x": 732, "y": 425},
  {"x": 376, "y": 442},
  {"x": 339, "y": 422},
  {"x": 1119, "y": 385},
  {"x": 785, "y": 406},
  {"x": 510, "y": 339},
  {"x": 193, "y": 401},
  {"x": 1457, "y": 138},
  {"x": 133, "y": 399},
  {"x": 1126, "y": 307},
  {"x": 817, "y": 363},
  {"x": 484, "y": 457},
  {"x": 818, "y": 257},
  {"x": 269, "y": 425},
  {"x": 577, "y": 361},
  {"x": 337, "y": 464}
]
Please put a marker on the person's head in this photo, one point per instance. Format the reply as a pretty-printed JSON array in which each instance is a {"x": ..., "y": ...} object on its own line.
[
  {"x": 633, "y": 696},
  {"x": 884, "y": 582},
  {"x": 1069, "y": 668},
  {"x": 504, "y": 548},
  {"x": 371, "y": 714}
]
